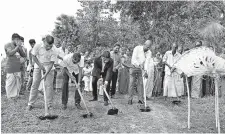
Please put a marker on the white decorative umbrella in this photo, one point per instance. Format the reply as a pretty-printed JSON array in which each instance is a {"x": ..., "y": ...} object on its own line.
[{"x": 202, "y": 61}]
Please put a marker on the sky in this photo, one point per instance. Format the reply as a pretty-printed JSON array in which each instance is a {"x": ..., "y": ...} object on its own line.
[{"x": 31, "y": 18}]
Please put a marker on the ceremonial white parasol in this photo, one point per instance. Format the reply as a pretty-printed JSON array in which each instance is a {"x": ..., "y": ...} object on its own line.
[{"x": 202, "y": 61}]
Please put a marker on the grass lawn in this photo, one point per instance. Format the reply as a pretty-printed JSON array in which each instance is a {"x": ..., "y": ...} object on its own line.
[{"x": 164, "y": 117}]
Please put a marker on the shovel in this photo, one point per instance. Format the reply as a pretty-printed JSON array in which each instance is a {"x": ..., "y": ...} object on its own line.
[
  {"x": 47, "y": 116},
  {"x": 145, "y": 108},
  {"x": 88, "y": 114},
  {"x": 114, "y": 110}
]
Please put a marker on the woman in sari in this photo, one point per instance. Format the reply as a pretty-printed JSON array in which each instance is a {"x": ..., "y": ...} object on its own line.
[
  {"x": 123, "y": 78},
  {"x": 158, "y": 90}
]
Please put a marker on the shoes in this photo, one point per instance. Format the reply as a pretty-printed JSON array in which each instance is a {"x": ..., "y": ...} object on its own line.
[
  {"x": 140, "y": 102},
  {"x": 29, "y": 107},
  {"x": 106, "y": 103},
  {"x": 113, "y": 96},
  {"x": 130, "y": 102},
  {"x": 78, "y": 106},
  {"x": 95, "y": 99},
  {"x": 64, "y": 106}
]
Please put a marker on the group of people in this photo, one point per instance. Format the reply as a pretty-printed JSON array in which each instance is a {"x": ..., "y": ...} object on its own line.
[{"x": 119, "y": 70}]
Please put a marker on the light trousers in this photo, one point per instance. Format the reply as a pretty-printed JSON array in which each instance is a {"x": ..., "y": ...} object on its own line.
[{"x": 35, "y": 85}]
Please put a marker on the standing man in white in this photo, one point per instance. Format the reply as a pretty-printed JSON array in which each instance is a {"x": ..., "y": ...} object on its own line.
[{"x": 172, "y": 80}]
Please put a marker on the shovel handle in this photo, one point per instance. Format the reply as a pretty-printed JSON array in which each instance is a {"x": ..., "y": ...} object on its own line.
[
  {"x": 45, "y": 97},
  {"x": 82, "y": 98},
  {"x": 144, "y": 91},
  {"x": 108, "y": 96}
]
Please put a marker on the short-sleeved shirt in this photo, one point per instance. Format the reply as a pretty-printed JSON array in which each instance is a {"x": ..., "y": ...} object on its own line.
[
  {"x": 68, "y": 63},
  {"x": 12, "y": 62},
  {"x": 44, "y": 56}
]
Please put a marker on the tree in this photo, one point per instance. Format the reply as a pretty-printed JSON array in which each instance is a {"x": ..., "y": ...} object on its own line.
[
  {"x": 172, "y": 21},
  {"x": 66, "y": 30}
]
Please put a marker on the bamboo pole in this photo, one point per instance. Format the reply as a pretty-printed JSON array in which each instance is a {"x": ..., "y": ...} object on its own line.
[
  {"x": 216, "y": 108},
  {"x": 217, "y": 105},
  {"x": 189, "y": 105}
]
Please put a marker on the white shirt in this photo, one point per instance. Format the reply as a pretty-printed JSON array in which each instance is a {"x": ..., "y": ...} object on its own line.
[
  {"x": 44, "y": 56},
  {"x": 60, "y": 53},
  {"x": 138, "y": 56},
  {"x": 68, "y": 63},
  {"x": 170, "y": 59}
]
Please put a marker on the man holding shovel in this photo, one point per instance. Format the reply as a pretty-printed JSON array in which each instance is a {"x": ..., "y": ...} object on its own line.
[
  {"x": 137, "y": 71},
  {"x": 44, "y": 57},
  {"x": 72, "y": 68},
  {"x": 103, "y": 66}
]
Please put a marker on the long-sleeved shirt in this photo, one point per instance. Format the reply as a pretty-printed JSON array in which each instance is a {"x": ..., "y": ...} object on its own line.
[
  {"x": 138, "y": 56},
  {"x": 170, "y": 59}
]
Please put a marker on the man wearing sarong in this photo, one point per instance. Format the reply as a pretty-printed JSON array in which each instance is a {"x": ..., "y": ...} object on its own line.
[
  {"x": 137, "y": 72},
  {"x": 13, "y": 77},
  {"x": 173, "y": 83},
  {"x": 44, "y": 57}
]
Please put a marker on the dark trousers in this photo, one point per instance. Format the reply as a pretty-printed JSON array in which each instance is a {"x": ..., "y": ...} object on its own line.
[
  {"x": 95, "y": 90},
  {"x": 65, "y": 89},
  {"x": 54, "y": 81},
  {"x": 114, "y": 81}
]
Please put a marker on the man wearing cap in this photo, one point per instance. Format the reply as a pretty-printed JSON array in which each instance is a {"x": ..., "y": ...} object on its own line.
[
  {"x": 44, "y": 57},
  {"x": 13, "y": 77},
  {"x": 103, "y": 67},
  {"x": 72, "y": 69}
]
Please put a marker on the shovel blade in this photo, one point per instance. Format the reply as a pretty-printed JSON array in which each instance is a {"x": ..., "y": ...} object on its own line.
[
  {"x": 87, "y": 115},
  {"x": 48, "y": 117},
  {"x": 113, "y": 111},
  {"x": 145, "y": 109},
  {"x": 176, "y": 102}
]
